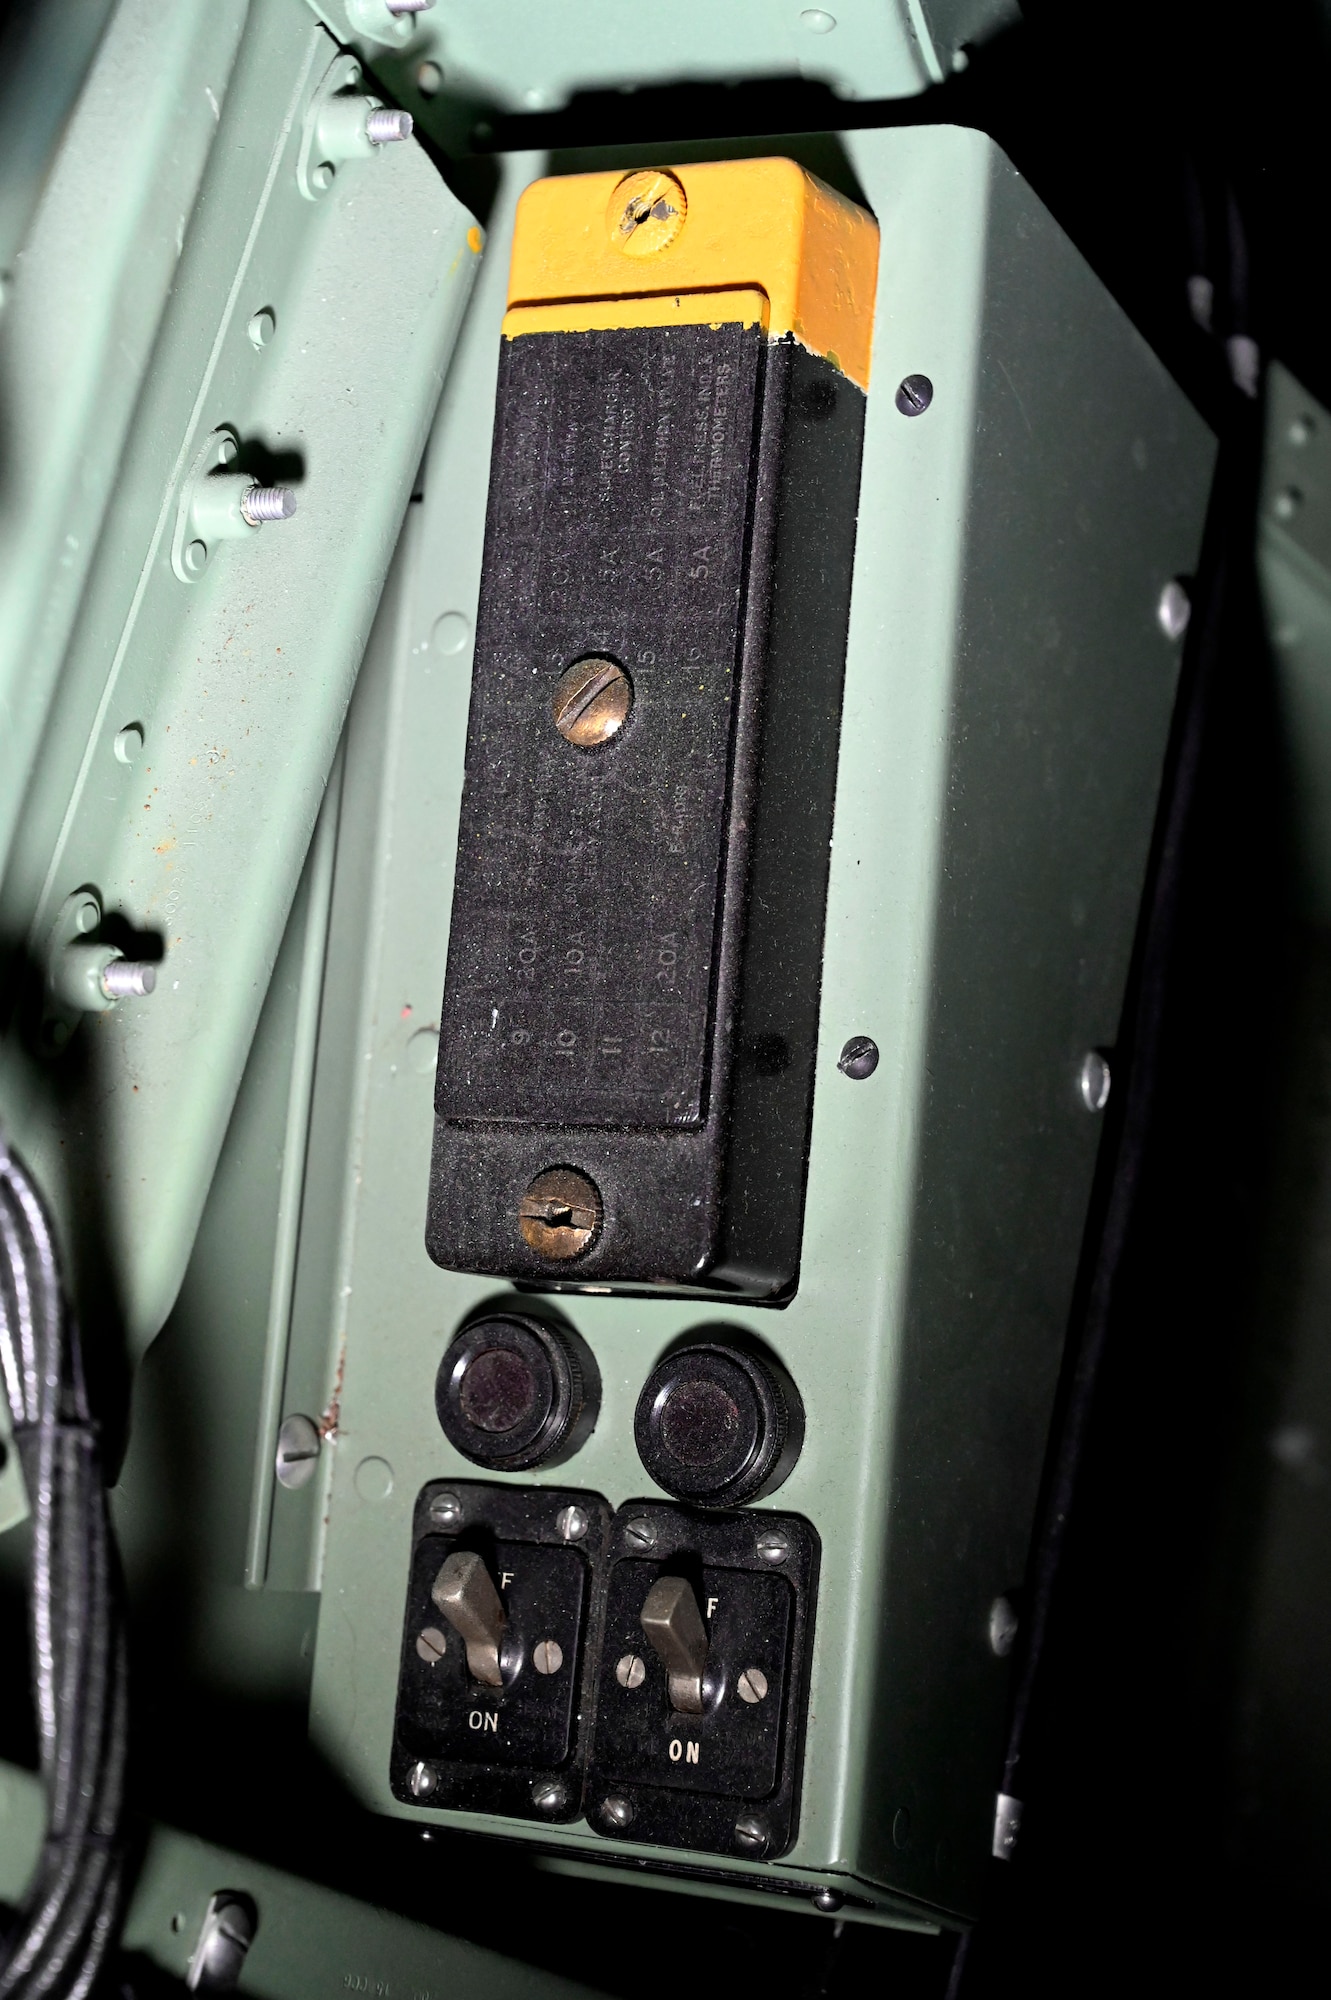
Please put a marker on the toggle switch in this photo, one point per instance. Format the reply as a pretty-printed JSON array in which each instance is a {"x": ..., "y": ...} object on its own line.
[
  {"x": 493, "y": 1690},
  {"x": 697, "y": 1733},
  {"x": 464, "y": 1591},
  {"x": 674, "y": 1628}
]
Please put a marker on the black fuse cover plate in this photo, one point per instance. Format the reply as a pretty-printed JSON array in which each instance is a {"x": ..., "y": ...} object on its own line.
[
  {"x": 445, "y": 1713},
  {"x": 636, "y": 941},
  {"x": 487, "y": 1748},
  {"x": 734, "y": 1746},
  {"x": 688, "y": 1779}
]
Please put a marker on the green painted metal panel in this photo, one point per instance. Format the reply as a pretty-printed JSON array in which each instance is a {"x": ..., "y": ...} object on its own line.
[
  {"x": 508, "y": 56},
  {"x": 95, "y": 225},
  {"x": 309, "y": 1940},
  {"x": 1007, "y": 703},
  {"x": 1294, "y": 565},
  {"x": 1008, "y": 696},
  {"x": 316, "y": 329}
]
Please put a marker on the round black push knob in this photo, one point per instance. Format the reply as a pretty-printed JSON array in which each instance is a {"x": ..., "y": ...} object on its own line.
[
  {"x": 718, "y": 1424},
  {"x": 514, "y": 1391}
]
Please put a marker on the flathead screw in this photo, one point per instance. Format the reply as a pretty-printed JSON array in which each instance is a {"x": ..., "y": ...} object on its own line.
[
  {"x": 646, "y": 213},
  {"x": 859, "y": 1058},
  {"x": 549, "y": 1795},
  {"x": 591, "y": 702},
  {"x": 752, "y": 1685},
  {"x": 752, "y": 1834},
  {"x": 421, "y": 1781},
  {"x": 1094, "y": 1081},
  {"x": 829, "y": 1901},
  {"x": 268, "y": 503},
  {"x": 1002, "y": 1627},
  {"x": 298, "y": 1448},
  {"x": 618, "y": 1811},
  {"x": 915, "y": 395},
  {"x": 385, "y": 128},
  {"x": 547, "y": 1656},
  {"x": 573, "y": 1523},
  {"x": 1173, "y": 610},
  {"x": 773, "y": 1546},
  {"x": 630, "y": 1671},
  {"x": 560, "y": 1214},
  {"x": 640, "y": 1534},
  {"x": 446, "y": 1512},
  {"x": 431, "y": 1645}
]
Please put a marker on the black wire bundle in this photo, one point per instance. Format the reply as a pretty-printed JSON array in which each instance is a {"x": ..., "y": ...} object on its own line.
[{"x": 61, "y": 1936}]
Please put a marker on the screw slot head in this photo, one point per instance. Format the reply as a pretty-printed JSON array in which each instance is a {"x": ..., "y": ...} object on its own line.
[
  {"x": 773, "y": 1546},
  {"x": 298, "y": 1447},
  {"x": 630, "y": 1671},
  {"x": 559, "y": 1216},
  {"x": 421, "y": 1781},
  {"x": 547, "y": 1656},
  {"x": 549, "y": 1795},
  {"x": 573, "y": 1523},
  {"x": 1002, "y": 1627},
  {"x": 446, "y": 1512},
  {"x": 752, "y": 1834},
  {"x": 1173, "y": 610},
  {"x": 915, "y": 395},
  {"x": 640, "y": 1534},
  {"x": 591, "y": 702},
  {"x": 859, "y": 1058},
  {"x": 618, "y": 1811},
  {"x": 431, "y": 1645},
  {"x": 1094, "y": 1081},
  {"x": 752, "y": 1685},
  {"x": 646, "y": 213}
]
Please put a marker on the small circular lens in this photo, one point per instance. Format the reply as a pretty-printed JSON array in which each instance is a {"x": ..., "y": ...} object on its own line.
[
  {"x": 497, "y": 1391},
  {"x": 698, "y": 1423},
  {"x": 718, "y": 1423},
  {"x": 515, "y": 1391}
]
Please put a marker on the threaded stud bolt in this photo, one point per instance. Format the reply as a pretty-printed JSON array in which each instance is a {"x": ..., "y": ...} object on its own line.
[
  {"x": 385, "y": 128},
  {"x": 268, "y": 503}
]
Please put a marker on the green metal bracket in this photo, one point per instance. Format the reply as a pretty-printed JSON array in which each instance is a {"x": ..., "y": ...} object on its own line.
[
  {"x": 203, "y": 652},
  {"x": 1008, "y": 697},
  {"x": 1294, "y": 565},
  {"x": 308, "y": 1940},
  {"x": 455, "y": 64}
]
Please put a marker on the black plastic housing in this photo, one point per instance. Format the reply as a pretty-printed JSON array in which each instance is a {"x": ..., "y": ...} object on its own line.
[
  {"x": 636, "y": 941},
  {"x": 550, "y": 1369},
  {"x": 718, "y": 1423}
]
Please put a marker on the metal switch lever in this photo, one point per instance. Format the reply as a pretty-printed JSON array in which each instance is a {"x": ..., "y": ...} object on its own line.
[
  {"x": 464, "y": 1591},
  {"x": 674, "y": 1628}
]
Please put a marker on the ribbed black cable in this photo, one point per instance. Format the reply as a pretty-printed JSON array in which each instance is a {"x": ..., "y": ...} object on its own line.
[{"x": 70, "y": 1917}]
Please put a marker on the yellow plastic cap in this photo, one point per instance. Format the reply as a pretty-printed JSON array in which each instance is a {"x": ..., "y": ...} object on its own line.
[{"x": 636, "y": 245}]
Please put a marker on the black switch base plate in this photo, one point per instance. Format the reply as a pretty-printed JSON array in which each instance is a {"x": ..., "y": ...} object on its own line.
[
  {"x": 726, "y": 1780},
  {"x": 514, "y": 1749}
]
